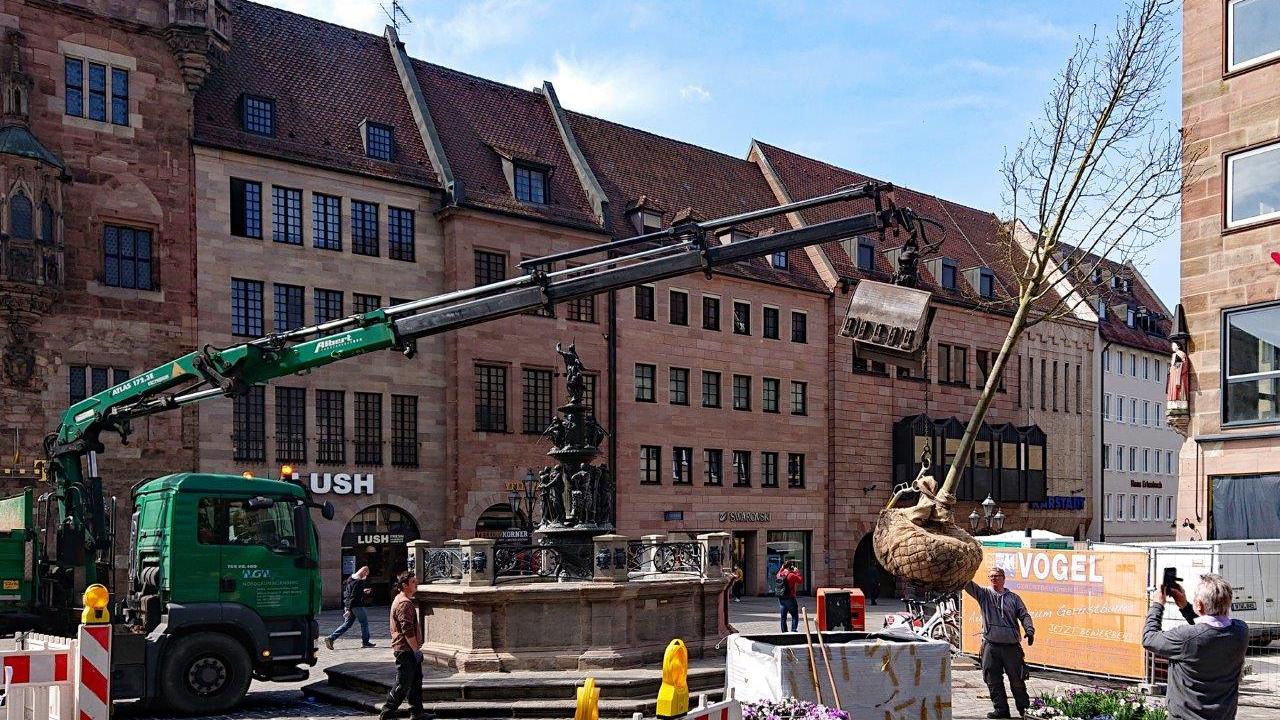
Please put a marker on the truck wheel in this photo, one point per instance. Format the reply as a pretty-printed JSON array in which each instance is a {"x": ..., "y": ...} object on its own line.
[{"x": 204, "y": 674}]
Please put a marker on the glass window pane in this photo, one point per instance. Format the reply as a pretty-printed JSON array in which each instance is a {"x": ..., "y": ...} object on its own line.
[
  {"x": 1253, "y": 401},
  {"x": 1253, "y": 341},
  {"x": 1253, "y": 185},
  {"x": 1254, "y": 29}
]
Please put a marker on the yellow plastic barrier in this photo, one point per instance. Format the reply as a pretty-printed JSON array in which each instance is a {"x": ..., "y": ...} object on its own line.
[
  {"x": 588, "y": 701},
  {"x": 673, "y": 698}
]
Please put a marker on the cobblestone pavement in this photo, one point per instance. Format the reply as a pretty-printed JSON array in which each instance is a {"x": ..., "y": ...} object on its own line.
[{"x": 753, "y": 615}]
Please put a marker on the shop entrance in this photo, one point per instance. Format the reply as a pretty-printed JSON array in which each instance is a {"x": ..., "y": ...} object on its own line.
[
  {"x": 498, "y": 522},
  {"x": 744, "y": 546},
  {"x": 783, "y": 545},
  {"x": 376, "y": 536}
]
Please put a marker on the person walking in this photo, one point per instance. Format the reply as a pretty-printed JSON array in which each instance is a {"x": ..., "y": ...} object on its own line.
[
  {"x": 1001, "y": 652},
  {"x": 1206, "y": 656},
  {"x": 354, "y": 593},
  {"x": 406, "y": 648},
  {"x": 787, "y": 581},
  {"x": 737, "y": 583}
]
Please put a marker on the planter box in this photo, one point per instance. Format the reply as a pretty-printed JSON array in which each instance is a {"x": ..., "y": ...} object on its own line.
[{"x": 876, "y": 679}]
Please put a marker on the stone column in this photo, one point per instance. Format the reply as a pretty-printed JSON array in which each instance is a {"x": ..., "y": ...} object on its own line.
[
  {"x": 610, "y": 558},
  {"x": 477, "y": 563},
  {"x": 418, "y": 558},
  {"x": 649, "y": 552},
  {"x": 715, "y": 554}
]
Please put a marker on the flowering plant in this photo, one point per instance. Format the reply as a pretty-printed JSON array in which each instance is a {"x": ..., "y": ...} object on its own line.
[
  {"x": 790, "y": 709},
  {"x": 1095, "y": 704}
]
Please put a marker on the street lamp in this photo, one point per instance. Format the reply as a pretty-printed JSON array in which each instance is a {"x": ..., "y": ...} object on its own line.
[
  {"x": 530, "y": 487},
  {"x": 991, "y": 518}
]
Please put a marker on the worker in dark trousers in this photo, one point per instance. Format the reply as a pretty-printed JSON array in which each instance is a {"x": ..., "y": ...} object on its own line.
[
  {"x": 1001, "y": 654},
  {"x": 406, "y": 648}
]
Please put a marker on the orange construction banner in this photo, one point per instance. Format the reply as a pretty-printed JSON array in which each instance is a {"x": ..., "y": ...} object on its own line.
[{"x": 1087, "y": 607}]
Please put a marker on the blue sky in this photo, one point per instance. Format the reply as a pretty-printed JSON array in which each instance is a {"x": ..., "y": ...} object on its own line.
[{"x": 924, "y": 94}]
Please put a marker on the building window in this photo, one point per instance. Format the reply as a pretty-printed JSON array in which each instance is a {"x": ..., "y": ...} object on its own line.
[
  {"x": 537, "y": 401},
  {"x": 249, "y": 425},
  {"x": 866, "y": 255},
  {"x": 400, "y": 234},
  {"x": 74, "y": 72},
  {"x": 582, "y": 309},
  {"x": 1044, "y": 384},
  {"x": 948, "y": 274},
  {"x": 650, "y": 222},
  {"x": 1106, "y": 361},
  {"x": 97, "y": 378},
  {"x": 246, "y": 308},
  {"x": 1119, "y": 409},
  {"x": 1253, "y": 185},
  {"x": 362, "y": 303},
  {"x": 650, "y": 462},
  {"x": 1078, "y": 391},
  {"x": 1133, "y": 410},
  {"x": 328, "y": 305},
  {"x": 1120, "y": 458},
  {"x": 1106, "y": 406},
  {"x": 644, "y": 302},
  {"x": 678, "y": 386},
  {"x": 1146, "y": 410},
  {"x": 491, "y": 398},
  {"x": 291, "y": 424},
  {"x": 1102, "y": 309},
  {"x": 1146, "y": 459},
  {"x": 1253, "y": 32},
  {"x": 368, "y": 428},
  {"x": 331, "y": 427},
  {"x": 74, "y": 77},
  {"x": 710, "y": 389},
  {"x": 1133, "y": 459},
  {"x": 713, "y": 472},
  {"x": 286, "y": 215},
  {"x": 795, "y": 470},
  {"x": 681, "y": 466},
  {"x": 531, "y": 185},
  {"x": 1168, "y": 508},
  {"x": 97, "y": 92},
  {"x": 1133, "y": 507},
  {"x": 742, "y": 468},
  {"x": 1168, "y": 462},
  {"x": 986, "y": 283},
  {"x": 46, "y": 222},
  {"x": 404, "y": 430},
  {"x": 119, "y": 96},
  {"x": 246, "y": 208},
  {"x": 1155, "y": 508},
  {"x": 288, "y": 307},
  {"x": 1131, "y": 317},
  {"x": 799, "y": 398},
  {"x": 364, "y": 228},
  {"x": 491, "y": 267},
  {"x": 1252, "y": 368},
  {"x": 20, "y": 216},
  {"x": 679, "y": 306},
  {"x": 377, "y": 141},
  {"x": 645, "y": 375},
  {"x": 126, "y": 256},
  {"x": 741, "y": 318},
  {"x": 258, "y": 115},
  {"x": 741, "y": 392},
  {"x": 769, "y": 469},
  {"x": 799, "y": 327},
  {"x": 779, "y": 260},
  {"x": 771, "y": 322},
  {"x": 589, "y": 392},
  {"x": 1120, "y": 507},
  {"x": 875, "y": 367},
  {"x": 1106, "y": 456},
  {"x": 1055, "y": 386},
  {"x": 953, "y": 364},
  {"x": 710, "y": 313},
  {"x": 1106, "y": 507},
  {"x": 326, "y": 221},
  {"x": 1146, "y": 368},
  {"x": 770, "y": 395}
]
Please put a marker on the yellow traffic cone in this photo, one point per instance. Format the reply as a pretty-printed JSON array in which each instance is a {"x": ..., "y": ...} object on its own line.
[{"x": 673, "y": 698}]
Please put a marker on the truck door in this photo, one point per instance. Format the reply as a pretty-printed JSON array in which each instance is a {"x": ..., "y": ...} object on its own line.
[{"x": 263, "y": 564}]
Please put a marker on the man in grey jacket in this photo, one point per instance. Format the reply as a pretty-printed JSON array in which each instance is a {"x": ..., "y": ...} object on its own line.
[
  {"x": 1002, "y": 610},
  {"x": 1206, "y": 656}
]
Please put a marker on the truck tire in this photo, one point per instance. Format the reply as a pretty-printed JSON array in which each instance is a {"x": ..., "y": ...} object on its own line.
[{"x": 204, "y": 674}]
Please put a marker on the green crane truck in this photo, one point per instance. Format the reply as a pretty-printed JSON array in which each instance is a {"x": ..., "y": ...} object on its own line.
[{"x": 223, "y": 580}]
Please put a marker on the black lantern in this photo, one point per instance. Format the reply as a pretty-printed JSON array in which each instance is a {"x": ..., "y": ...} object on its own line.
[{"x": 990, "y": 521}]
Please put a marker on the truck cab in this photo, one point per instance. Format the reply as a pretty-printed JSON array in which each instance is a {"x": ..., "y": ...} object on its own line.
[{"x": 223, "y": 587}]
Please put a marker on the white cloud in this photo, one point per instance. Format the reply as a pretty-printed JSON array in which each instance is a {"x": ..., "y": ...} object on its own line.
[
  {"x": 696, "y": 93},
  {"x": 610, "y": 89}
]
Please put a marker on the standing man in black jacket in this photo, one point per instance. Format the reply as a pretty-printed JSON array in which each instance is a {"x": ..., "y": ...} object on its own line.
[
  {"x": 354, "y": 592},
  {"x": 1206, "y": 656},
  {"x": 1002, "y": 611}
]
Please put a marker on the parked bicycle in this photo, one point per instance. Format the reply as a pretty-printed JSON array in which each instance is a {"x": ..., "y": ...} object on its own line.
[{"x": 940, "y": 623}]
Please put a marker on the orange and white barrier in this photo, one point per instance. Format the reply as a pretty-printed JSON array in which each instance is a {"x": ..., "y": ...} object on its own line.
[
  {"x": 727, "y": 710},
  {"x": 93, "y": 683}
]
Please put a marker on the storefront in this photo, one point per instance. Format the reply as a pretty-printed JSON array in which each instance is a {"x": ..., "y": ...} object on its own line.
[
  {"x": 376, "y": 536},
  {"x": 784, "y": 545},
  {"x": 499, "y": 523}
]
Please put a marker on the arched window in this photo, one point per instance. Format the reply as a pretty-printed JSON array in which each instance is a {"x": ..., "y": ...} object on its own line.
[
  {"x": 20, "y": 216},
  {"x": 46, "y": 222}
]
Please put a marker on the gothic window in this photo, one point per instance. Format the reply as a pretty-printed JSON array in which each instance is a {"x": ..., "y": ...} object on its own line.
[
  {"x": 46, "y": 222},
  {"x": 20, "y": 216}
]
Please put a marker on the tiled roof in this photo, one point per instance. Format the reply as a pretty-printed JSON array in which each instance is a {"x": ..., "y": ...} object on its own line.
[
  {"x": 635, "y": 166},
  {"x": 1114, "y": 327},
  {"x": 971, "y": 239},
  {"x": 325, "y": 80},
  {"x": 480, "y": 122}
]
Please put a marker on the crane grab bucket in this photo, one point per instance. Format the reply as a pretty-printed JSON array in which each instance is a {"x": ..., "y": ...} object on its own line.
[{"x": 889, "y": 324}]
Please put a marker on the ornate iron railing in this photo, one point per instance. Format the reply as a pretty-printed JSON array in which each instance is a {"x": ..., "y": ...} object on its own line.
[
  {"x": 665, "y": 557},
  {"x": 542, "y": 562},
  {"x": 440, "y": 565}
]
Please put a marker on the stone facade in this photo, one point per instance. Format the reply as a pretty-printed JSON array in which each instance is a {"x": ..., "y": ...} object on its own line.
[{"x": 1227, "y": 108}]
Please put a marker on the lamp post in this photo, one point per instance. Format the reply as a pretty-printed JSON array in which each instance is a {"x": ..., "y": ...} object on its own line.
[
  {"x": 991, "y": 520},
  {"x": 519, "y": 502}
]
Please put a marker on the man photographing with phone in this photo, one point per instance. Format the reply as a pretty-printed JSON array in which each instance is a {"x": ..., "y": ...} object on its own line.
[{"x": 1206, "y": 656}]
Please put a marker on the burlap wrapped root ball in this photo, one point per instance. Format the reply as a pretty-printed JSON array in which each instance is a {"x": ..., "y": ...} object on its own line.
[{"x": 920, "y": 546}]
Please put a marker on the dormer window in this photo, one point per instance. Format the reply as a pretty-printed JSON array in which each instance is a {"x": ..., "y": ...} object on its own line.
[
  {"x": 987, "y": 283},
  {"x": 1131, "y": 318},
  {"x": 258, "y": 115},
  {"x": 948, "y": 274},
  {"x": 530, "y": 184},
  {"x": 1117, "y": 282},
  {"x": 1096, "y": 275},
  {"x": 650, "y": 222},
  {"x": 866, "y": 254},
  {"x": 779, "y": 260},
  {"x": 378, "y": 141},
  {"x": 1101, "y": 307}
]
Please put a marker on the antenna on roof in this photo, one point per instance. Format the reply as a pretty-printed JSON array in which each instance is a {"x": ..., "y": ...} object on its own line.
[{"x": 395, "y": 14}]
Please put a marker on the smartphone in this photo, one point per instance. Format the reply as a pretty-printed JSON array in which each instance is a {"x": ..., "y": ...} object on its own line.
[{"x": 1170, "y": 578}]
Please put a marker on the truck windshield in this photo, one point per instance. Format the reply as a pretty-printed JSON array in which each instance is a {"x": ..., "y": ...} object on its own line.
[{"x": 222, "y": 521}]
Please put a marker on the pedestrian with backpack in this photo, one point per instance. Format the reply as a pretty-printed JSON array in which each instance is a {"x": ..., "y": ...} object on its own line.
[
  {"x": 354, "y": 593},
  {"x": 785, "y": 584}
]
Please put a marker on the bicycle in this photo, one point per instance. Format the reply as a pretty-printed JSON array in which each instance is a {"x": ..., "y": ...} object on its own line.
[{"x": 943, "y": 623}]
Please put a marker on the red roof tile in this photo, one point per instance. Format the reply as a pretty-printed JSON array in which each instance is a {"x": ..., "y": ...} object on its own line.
[
  {"x": 1115, "y": 328},
  {"x": 325, "y": 80}
]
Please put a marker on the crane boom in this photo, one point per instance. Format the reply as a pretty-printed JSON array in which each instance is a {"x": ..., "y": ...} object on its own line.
[{"x": 210, "y": 372}]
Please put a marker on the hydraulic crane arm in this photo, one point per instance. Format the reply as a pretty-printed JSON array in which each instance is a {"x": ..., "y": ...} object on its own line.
[{"x": 231, "y": 371}]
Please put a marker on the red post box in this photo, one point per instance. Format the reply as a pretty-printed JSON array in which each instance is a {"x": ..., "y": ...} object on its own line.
[{"x": 841, "y": 609}]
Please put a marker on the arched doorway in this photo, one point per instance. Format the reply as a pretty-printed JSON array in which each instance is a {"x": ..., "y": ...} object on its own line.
[
  {"x": 870, "y": 577},
  {"x": 376, "y": 536},
  {"x": 497, "y": 522}
]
